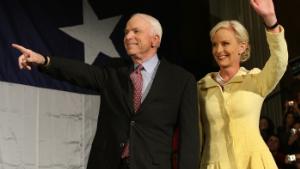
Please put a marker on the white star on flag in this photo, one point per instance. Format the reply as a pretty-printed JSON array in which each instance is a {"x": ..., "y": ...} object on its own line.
[{"x": 94, "y": 34}]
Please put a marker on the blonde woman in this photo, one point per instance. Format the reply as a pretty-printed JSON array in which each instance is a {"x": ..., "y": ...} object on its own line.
[{"x": 231, "y": 99}]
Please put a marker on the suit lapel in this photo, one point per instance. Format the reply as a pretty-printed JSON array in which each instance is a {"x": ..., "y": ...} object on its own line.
[
  {"x": 128, "y": 90},
  {"x": 158, "y": 79}
]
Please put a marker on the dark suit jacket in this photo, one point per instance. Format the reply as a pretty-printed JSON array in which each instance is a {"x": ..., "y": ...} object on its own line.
[{"x": 171, "y": 102}]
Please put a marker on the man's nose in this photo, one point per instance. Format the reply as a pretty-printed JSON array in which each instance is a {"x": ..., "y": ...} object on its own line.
[{"x": 129, "y": 35}]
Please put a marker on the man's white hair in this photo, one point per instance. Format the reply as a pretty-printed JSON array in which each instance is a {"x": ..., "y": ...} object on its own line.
[{"x": 156, "y": 26}]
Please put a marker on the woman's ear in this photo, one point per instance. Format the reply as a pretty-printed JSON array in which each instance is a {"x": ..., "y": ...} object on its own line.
[{"x": 243, "y": 47}]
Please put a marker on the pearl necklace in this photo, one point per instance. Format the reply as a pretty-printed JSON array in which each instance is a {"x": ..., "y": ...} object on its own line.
[{"x": 219, "y": 79}]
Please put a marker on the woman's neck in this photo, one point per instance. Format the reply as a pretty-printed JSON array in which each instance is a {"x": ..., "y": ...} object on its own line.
[{"x": 228, "y": 73}]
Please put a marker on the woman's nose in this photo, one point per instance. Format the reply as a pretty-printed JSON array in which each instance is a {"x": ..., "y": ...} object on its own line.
[{"x": 218, "y": 49}]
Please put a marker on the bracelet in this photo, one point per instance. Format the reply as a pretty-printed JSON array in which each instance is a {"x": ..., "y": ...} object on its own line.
[
  {"x": 272, "y": 26},
  {"x": 46, "y": 60}
]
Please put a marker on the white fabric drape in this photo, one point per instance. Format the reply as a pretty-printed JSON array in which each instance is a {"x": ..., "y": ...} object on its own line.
[{"x": 44, "y": 128}]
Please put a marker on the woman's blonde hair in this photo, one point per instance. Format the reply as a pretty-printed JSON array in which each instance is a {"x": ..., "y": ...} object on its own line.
[{"x": 240, "y": 32}]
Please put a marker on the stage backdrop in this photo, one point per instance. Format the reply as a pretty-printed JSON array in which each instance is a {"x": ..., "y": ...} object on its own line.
[{"x": 45, "y": 123}]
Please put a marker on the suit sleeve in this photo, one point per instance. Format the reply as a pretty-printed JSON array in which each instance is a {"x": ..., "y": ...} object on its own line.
[
  {"x": 77, "y": 73},
  {"x": 189, "y": 143}
]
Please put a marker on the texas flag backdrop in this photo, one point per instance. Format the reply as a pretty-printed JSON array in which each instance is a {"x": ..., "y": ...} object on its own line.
[
  {"x": 45, "y": 123},
  {"x": 50, "y": 124}
]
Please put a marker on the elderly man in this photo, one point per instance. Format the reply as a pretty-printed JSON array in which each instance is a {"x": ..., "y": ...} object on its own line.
[{"x": 142, "y": 102}]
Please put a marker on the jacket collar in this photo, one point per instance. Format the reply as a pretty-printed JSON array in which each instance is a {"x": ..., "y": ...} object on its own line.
[{"x": 209, "y": 80}]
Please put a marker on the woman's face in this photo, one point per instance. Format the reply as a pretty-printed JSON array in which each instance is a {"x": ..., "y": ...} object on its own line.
[{"x": 226, "y": 48}]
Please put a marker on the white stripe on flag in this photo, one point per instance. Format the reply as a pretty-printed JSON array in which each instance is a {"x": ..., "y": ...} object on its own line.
[{"x": 44, "y": 128}]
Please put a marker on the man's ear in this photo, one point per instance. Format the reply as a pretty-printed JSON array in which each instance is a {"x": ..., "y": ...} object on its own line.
[{"x": 155, "y": 41}]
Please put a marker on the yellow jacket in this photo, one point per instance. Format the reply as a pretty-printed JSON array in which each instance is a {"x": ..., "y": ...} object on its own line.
[{"x": 230, "y": 117}]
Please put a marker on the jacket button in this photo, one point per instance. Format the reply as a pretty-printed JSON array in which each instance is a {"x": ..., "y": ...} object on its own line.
[
  {"x": 132, "y": 123},
  {"x": 122, "y": 145}
]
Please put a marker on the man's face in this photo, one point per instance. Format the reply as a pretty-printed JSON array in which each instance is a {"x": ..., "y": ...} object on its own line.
[{"x": 139, "y": 39}]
